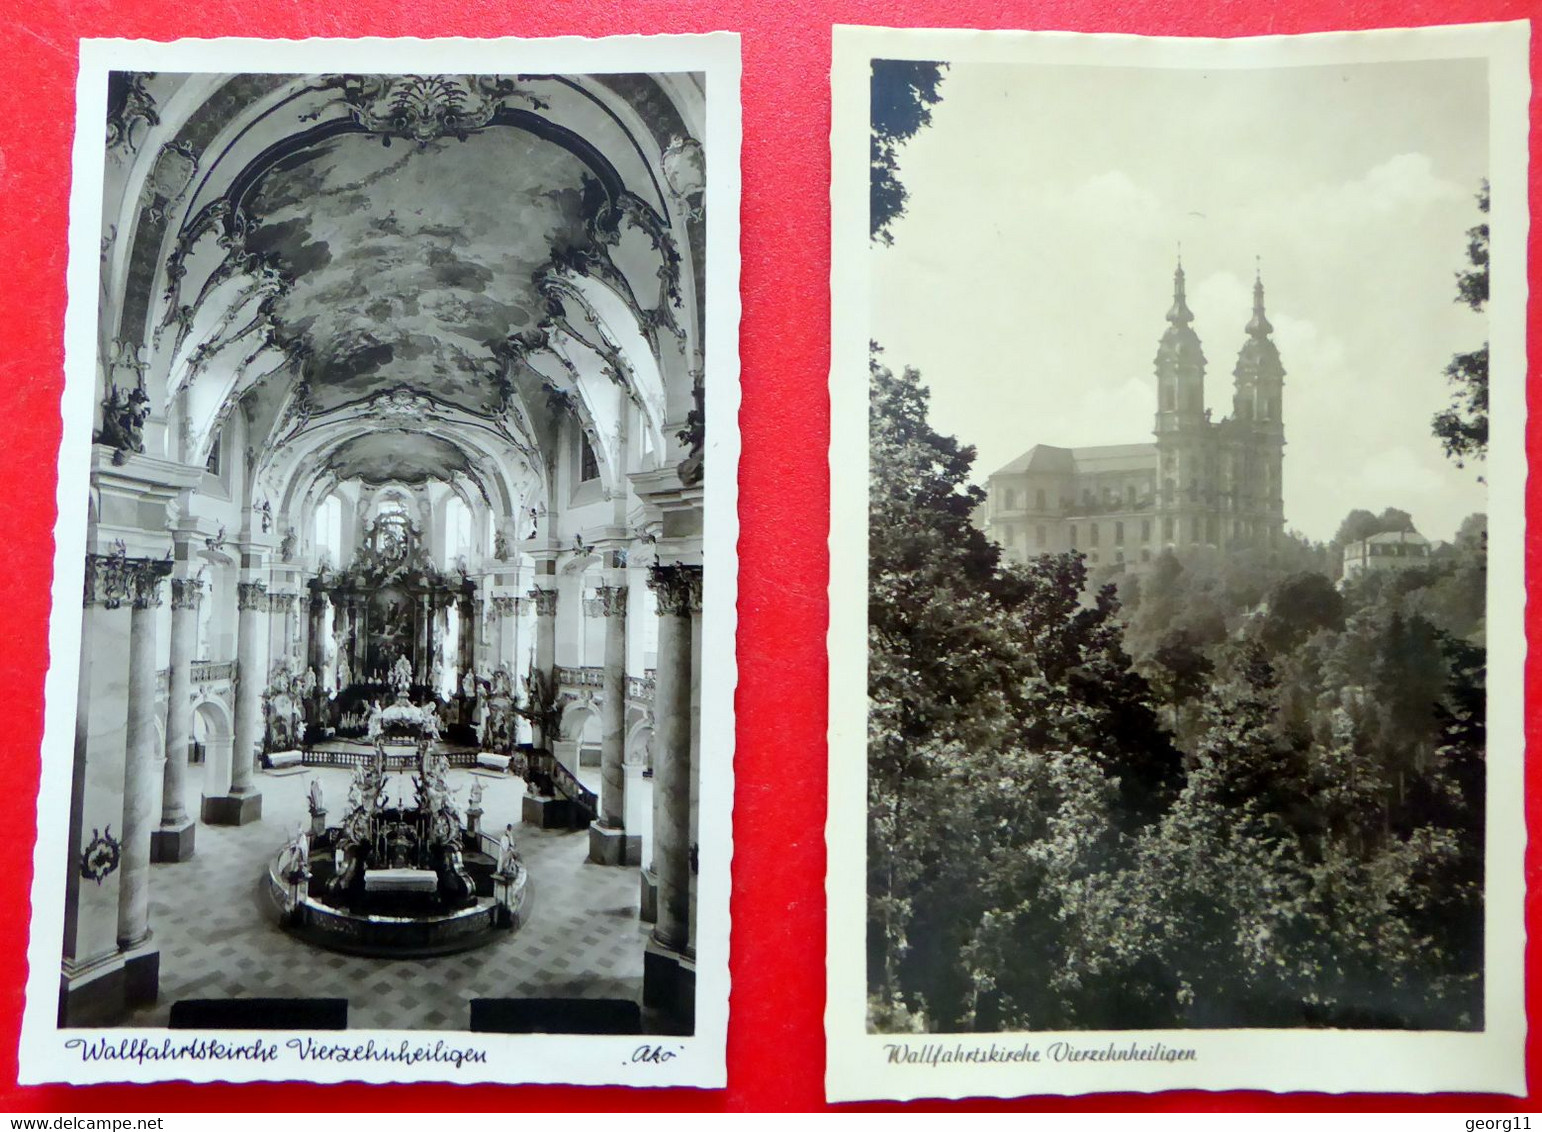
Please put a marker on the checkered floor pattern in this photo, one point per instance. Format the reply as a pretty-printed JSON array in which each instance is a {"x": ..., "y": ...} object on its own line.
[{"x": 209, "y": 916}]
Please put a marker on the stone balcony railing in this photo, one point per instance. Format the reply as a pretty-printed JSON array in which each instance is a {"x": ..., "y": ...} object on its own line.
[
  {"x": 639, "y": 689},
  {"x": 200, "y": 672},
  {"x": 212, "y": 671}
]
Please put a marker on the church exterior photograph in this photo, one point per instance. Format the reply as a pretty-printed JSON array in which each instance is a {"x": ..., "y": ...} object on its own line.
[
  {"x": 398, "y": 494},
  {"x": 1177, "y": 476}
]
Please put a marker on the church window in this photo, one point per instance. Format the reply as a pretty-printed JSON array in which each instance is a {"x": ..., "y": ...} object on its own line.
[
  {"x": 1092, "y": 535},
  {"x": 1119, "y": 534},
  {"x": 1073, "y": 536},
  {"x": 213, "y": 464},
  {"x": 1129, "y": 494},
  {"x": 1167, "y": 397},
  {"x": 1145, "y": 555},
  {"x": 1167, "y": 529},
  {"x": 457, "y": 529},
  {"x": 1086, "y": 497},
  {"x": 1040, "y": 536},
  {"x": 328, "y": 536},
  {"x": 1210, "y": 529},
  {"x": 1194, "y": 529},
  {"x": 1167, "y": 491},
  {"x": 1145, "y": 530},
  {"x": 588, "y": 462},
  {"x": 1038, "y": 499}
]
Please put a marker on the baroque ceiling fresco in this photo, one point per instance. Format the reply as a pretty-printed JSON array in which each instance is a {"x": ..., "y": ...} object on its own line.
[
  {"x": 410, "y": 264},
  {"x": 436, "y": 253},
  {"x": 388, "y": 456}
]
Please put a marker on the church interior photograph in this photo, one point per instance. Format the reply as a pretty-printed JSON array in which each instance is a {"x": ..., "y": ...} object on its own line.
[{"x": 389, "y": 680}]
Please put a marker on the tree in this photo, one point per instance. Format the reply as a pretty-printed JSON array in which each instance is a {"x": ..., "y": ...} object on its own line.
[
  {"x": 903, "y": 93},
  {"x": 1462, "y": 428}
]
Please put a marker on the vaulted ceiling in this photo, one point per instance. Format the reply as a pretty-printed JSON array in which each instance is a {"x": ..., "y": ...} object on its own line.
[{"x": 492, "y": 250}]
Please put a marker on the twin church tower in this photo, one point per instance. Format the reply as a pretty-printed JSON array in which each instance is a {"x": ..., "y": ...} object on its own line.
[{"x": 1201, "y": 483}]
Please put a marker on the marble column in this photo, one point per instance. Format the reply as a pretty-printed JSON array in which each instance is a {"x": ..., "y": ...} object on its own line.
[
  {"x": 142, "y": 756},
  {"x": 244, "y": 803},
  {"x": 545, "y": 630},
  {"x": 542, "y": 808},
  {"x": 678, "y": 589},
  {"x": 609, "y": 842},
  {"x": 506, "y": 606},
  {"x": 174, "y": 840}
]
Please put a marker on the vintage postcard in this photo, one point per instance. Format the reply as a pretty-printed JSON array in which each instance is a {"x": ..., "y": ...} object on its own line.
[
  {"x": 1176, "y": 601},
  {"x": 397, "y": 519}
]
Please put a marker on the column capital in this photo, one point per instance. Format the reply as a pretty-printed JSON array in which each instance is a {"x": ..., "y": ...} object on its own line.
[
  {"x": 505, "y": 605},
  {"x": 545, "y": 602},
  {"x": 677, "y": 588},
  {"x": 112, "y": 579},
  {"x": 185, "y": 592},
  {"x": 251, "y": 595},
  {"x": 145, "y": 576},
  {"x": 612, "y": 600}
]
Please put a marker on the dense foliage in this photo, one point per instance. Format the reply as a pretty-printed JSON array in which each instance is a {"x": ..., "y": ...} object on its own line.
[
  {"x": 903, "y": 94},
  {"x": 1224, "y": 793},
  {"x": 1463, "y": 426}
]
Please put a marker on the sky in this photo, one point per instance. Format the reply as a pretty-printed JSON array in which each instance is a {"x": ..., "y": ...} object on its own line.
[{"x": 1029, "y": 277}]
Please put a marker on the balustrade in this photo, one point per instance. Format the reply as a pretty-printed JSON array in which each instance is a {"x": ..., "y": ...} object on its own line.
[{"x": 639, "y": 689}]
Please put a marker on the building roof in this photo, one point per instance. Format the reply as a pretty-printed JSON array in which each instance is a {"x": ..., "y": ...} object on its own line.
[
  {"x": 1413, "y": 538},
  {"x": 1047, "y": 459}
]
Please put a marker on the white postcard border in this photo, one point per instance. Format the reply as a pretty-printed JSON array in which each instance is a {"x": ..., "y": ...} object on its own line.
[
  {"x": 865, "y": 1066},
  {"x": 50, "y": 1054}
]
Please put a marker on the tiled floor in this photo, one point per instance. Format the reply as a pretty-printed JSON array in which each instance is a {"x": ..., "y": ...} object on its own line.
[{"x": 218, "y": 939}]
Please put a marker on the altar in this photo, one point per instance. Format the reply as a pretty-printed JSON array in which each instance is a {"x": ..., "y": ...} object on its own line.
[
  {"x": 391, "y": 609},
  {"x": 400, "y": 874},
  {"x": 401, "y": 880}
]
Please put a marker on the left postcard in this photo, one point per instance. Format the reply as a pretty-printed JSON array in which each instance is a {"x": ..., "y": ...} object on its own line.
[{"x": 397, "y": 515}]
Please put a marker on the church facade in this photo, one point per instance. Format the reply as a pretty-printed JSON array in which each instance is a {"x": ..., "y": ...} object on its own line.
[{"x": 1198, "y": 483}]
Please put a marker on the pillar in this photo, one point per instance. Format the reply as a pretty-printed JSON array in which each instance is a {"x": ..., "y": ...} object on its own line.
[
  {"x": 142, "y": 757},
  {"x": 537, "y": 808},
  {"x": 173, "y": 841},
  {"x": 609, "y": 843},
  {"x": 669, "y": 976},
  {"x": 545, "y": 631},
  {"x": 244, "y": 803}
]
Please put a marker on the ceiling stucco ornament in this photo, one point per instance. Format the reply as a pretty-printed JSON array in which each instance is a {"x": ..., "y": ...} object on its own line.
[
  {"x": 685, "y": 171},
  {"x": 421, "y": 108},
  {"x": 131, "y": 111},
  {"x": 175, "y": 167},
  {"x": 403, "y": 404},
  {"x": 613, "y": 363}
]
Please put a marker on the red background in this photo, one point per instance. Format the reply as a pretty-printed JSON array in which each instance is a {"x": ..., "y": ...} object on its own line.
[{"x": 775, "y": 1040}]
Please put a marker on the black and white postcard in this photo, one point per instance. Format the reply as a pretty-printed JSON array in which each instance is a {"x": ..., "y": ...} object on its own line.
[
  {"x": 1176, "y": 601},
  {"x": 397, "y": 522}
]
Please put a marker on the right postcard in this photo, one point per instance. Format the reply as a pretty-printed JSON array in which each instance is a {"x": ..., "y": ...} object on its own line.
[{"x": 1177, "y": 590}]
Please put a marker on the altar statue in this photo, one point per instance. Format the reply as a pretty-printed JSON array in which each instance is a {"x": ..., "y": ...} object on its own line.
[
  {"x": 474, "y": 799},
  {"x": 401, "y": 677},
  {"x": 508, "y": 855},
  {"x": 317, "y": 802},
  {"x": 344, "y": 673},
  {"x": 294, "y": 863}
]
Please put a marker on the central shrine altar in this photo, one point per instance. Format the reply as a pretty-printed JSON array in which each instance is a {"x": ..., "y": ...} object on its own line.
[{"x": 398, "y": 876}]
